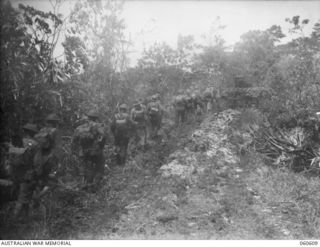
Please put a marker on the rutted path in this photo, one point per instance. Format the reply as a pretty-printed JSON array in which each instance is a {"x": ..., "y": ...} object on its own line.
[
  {"x": 195, "y": 185},
  {"x": 205, "y": 190}
]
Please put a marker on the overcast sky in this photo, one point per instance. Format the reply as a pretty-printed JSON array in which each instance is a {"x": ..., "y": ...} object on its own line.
[{"x": 156, "y": 21}]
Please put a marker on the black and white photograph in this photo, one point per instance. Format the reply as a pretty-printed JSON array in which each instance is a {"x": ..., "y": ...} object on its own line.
[{"x": 159, "y": 120}]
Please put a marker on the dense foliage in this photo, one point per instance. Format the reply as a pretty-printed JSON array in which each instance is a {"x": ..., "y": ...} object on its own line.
[
  {"x": 275, "y": 85},
  {"x": 281, "y": 79}
]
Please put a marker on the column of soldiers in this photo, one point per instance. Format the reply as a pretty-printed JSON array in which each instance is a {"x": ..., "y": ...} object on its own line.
[
  {"x": 189, "y": 106},
  {"x": 32, "y": 166}
]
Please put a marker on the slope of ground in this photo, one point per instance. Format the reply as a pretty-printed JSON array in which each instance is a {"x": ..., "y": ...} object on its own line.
[
  {"x": 207, "y": 190},
  {"x": 193, "y": 184},
  {"x": 71, "y": 213}
]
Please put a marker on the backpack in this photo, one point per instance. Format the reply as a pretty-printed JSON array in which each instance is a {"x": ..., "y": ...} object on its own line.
[
  {"x": 138, "y": 115},
  {"x": 48, "y": 132},
  {"x": 85, "y": 135},
  {"x": 207, "y": 95},
  {"x": 121, "y": 121},
  {"x": 44, "y": 164},
  {"x": 189, "y": 102},
  {"x": 91, "y": 138},
  {"x": 180, "y": 102},
  {"x": 198, "y": 110},
  {"x": 154, "y": 109}
]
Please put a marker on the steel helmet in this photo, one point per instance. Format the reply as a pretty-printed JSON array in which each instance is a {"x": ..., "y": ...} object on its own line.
[
  {"x": 136, "y": 103},
  {"x": 52, "y": 117},
  {"x": 30, "y": 127},
  {"x": 93, "y": 114},
  {"x": 123, "y": 106}
]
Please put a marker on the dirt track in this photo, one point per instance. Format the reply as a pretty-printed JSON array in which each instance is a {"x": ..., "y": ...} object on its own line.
[
  {"x": 206, "y": 190},
  {"x": 195, "y": 185}
]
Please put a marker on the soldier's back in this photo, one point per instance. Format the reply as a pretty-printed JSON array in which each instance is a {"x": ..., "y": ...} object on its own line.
[
  {"x": 179, "y": 102},
  {"x": 44, "y": 163},
  {"x": 55, "y": 136}
]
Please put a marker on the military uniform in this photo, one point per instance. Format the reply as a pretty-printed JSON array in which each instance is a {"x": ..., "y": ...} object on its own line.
[
  {"x": 155, "y": 111},
  {"x": 189, "y": 107},
  {"x": 89, "y": 141},
  {"x": 180, "y": 109},
  {"x": 208, "y": 100},
  {"x": 23, "y": 172},
  {"x": 138, "y": 116},
  {"x": 121, "y": 128},
  {"x": 52, "y": 130},
  {"x": 197, "y": 105}
]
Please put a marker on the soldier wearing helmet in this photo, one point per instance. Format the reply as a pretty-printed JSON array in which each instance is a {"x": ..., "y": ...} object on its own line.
[
  {"x": 53, "y": 120},
  {"x": 123, "y": 107},
  {"x": 121, "y": 128},
  {"x": 180, "y": 108},
  {"x": 93, "y": 115},
  {"x": 197, "y": 105},
  {"x": 208, "y": 98},
  {"x": 52, "y": 129},
  {"x": 88, "y": 143},
  {"x": 189, "y": 105},
  {"x": 31, "y": 129},
  {"x": 156, "y": 96},
  {"x": 139, "y": 118},
  {"x": 47, "y": 152},
  {"x": 154, "y": 113},
  {"x": 52, "y": 125},
  {"x": 22, "y": 170}
]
